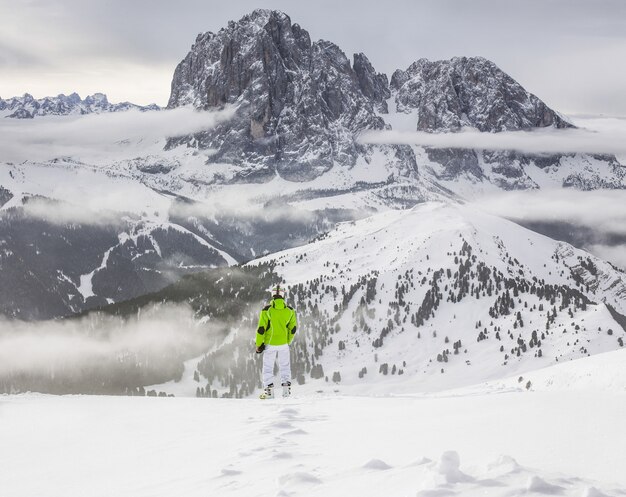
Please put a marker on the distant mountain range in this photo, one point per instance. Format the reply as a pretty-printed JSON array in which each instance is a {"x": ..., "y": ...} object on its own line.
[
  {"x": 291, "y": 155},
  {"x": 302, "y": 104},
  {"x": 28, "y": 107}
]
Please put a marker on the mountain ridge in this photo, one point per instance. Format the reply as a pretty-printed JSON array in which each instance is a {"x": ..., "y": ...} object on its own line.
[
  {"x": 301, "y": 103},
  {"x": 28, "y": 107},
  {"x": 435, "y": 297},
  {"x": 290, "y": 156}
]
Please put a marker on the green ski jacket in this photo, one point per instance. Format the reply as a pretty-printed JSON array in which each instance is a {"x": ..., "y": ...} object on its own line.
[{"x": 277, "y": 324}]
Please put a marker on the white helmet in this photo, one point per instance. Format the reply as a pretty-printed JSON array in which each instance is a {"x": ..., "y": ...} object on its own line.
[{"x": 278, "y": 291}]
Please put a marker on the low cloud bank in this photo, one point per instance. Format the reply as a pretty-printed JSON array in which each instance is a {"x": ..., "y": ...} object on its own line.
[
  {"x": 240, "y": 208},
  {"x": 76, "y": 348},
  {"x": 62, "y": 213},
  {"x": 540, "y": 141},
  {"x": 602, "y": 209},
  {"x": 613, "y": 253},
  {"x": 94, "y": 135},
  {"x": 598, "y": 215}
]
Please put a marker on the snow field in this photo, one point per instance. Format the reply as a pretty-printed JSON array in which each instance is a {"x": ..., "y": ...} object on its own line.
[
  {"x": 425, "y": 239},
  {"x": 554, "y": 443}
]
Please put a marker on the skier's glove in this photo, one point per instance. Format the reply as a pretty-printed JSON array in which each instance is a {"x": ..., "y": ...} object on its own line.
[{"x": 260, "y": 349}]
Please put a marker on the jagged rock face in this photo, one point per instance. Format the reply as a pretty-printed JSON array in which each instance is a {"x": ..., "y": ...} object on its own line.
[
  {"x": 469, "y": 91},
  {"x": 299, "y": 104},
  {"x": 27, "y": 107},
  {"x": 449, "y": 95},
  {"x": 5, "y": 196},
  {"x": 375, "y": 86}
]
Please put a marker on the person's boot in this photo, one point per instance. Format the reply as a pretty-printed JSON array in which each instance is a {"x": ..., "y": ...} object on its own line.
[
  {"x": 286, "y": 389},
  {"x": 268, "y": 392}
]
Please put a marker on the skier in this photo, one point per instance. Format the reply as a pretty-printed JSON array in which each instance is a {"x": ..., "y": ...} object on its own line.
[{"x": 277, "y": 327}]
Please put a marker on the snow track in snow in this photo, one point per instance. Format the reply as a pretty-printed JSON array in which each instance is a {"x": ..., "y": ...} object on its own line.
[{"x": 558, "y": 443}]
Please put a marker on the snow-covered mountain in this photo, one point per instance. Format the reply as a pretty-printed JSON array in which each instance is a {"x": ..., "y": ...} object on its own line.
[
  {"x": 280, "y": 172},
  {"x": 438, "y": 296},
  {"x": 299, "y": 103},
  {"x": 473, "y": 93},
  {"x": 302, "y": 104},
  {"x": 59, "y": 257},
  {"x": 28, "y": 107},
  {"x": 59, "y": 267},
  {"x": 448, "y": 95},
  {"x": 435, "y": 297}
]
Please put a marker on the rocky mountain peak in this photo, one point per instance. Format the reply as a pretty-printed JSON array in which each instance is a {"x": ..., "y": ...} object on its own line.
[
  {"x": 374, "y": 86},
  {"x": 97, "y": 99},
  {"x": 299, "y": 104},
  {"x": 468, "y": 91},
  {"x": 473, "y": 92}
]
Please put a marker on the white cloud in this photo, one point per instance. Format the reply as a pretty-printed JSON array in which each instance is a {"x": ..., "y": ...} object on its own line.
[
  {"x": 541, "y": 141},
  {"x": 61, "y": 213},
  {"x": 599, "y": 214},
  {"x": 600, "y": 209},
  {"x": 100, "y": 135},
  {"x": 79, "y": 344},
  {"x": 613, "y": 253}
]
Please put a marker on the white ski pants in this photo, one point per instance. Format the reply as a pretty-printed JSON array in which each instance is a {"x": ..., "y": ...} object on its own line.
[{"x": 284, "y": 364}]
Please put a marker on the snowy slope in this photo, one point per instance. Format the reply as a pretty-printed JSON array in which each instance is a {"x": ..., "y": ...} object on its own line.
[
  {"x": 430, "y": 234},
  {"x": 517, "y": 443},
  {"x": 440, "y": 296},
  {"x": 398, "y": 254},
  {"x": 601, "y": 372}
]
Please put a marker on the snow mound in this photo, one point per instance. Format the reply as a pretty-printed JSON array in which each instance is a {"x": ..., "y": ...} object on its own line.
[
  {"x": 593, "y": 492},
  {"x": 377, "y": 464},
  {"x": 298, "y": 478},
  {"x": 504, "y": 465},
  {"x": 600, "y": 372},
  {"x": 448, "y": 466},
  {"x": 536, "y": 484}
]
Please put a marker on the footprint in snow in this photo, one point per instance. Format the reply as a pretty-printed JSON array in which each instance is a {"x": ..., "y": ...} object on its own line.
[
  {"x": 299, "y": 431},
  {"x": 489, "y": 483},
  {"x": 230, "y": 472},
  {"x": 299, "y": 477},
  {"x": 594, "y": 492},
  {"x": 437, "y": 492},
  {"x": 285, "y": 425},
  {"x": 283, "y": 493},
  {"x": 536, "y": 484},
  {"x": 287, "y": 455},
  {"x": 279, "y": 441},
  {"x": 504, "y": 465}
]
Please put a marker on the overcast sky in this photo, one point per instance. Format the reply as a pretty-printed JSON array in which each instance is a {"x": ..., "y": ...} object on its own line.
[{"x": 571, "y": 53}]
